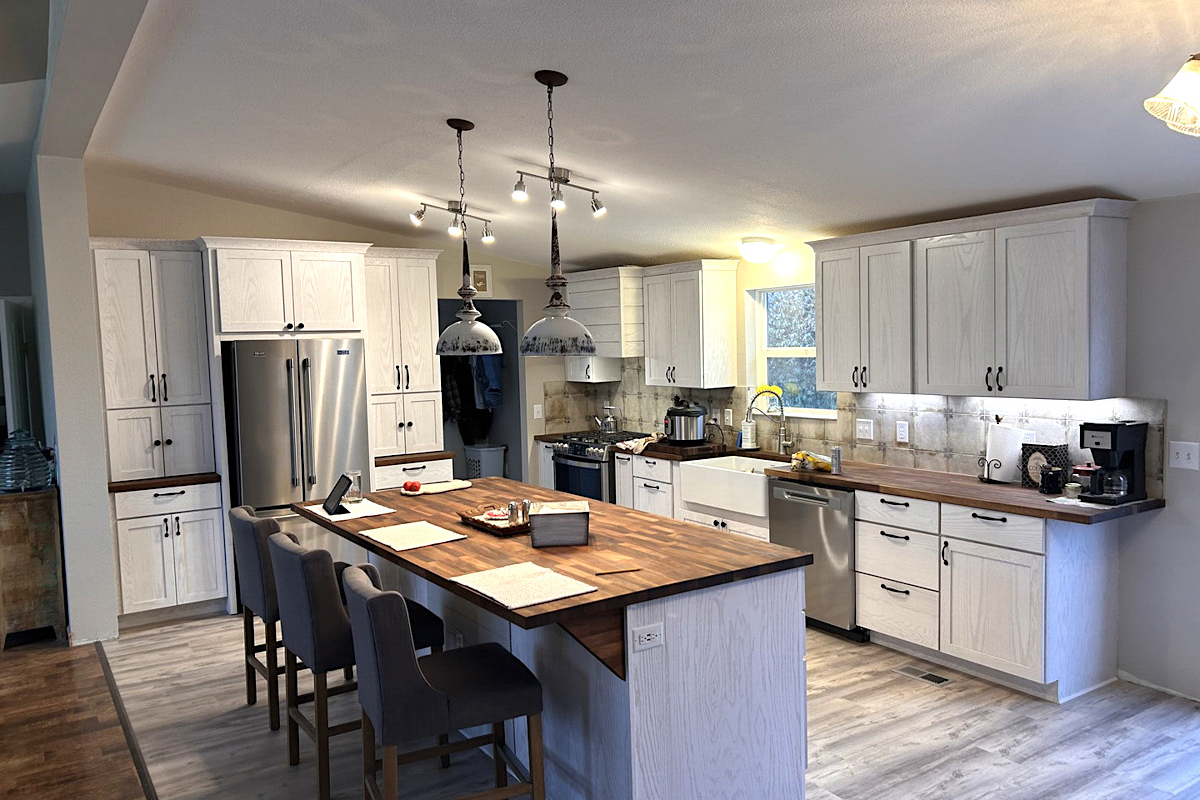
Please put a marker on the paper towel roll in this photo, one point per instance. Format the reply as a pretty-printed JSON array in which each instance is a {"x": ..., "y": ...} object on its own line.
[{"x": 1004, "y": 445}]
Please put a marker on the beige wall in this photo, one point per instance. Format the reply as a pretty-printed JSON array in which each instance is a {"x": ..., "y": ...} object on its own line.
[{"x": 119, "y": 205}]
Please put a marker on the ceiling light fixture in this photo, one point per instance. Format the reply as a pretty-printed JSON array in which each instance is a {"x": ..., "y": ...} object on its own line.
[
  {"x": 488, "y": 237},
  {"x": 556, "y": 200},
  {"x": 519, "y": 193},
  {"x": 468, "y": 336},
  {"x": 758, "y": 249},
  {"x": 555, "y": 334},
  {"x": 418, "y": 215},
  {"x": 598, "y": 209},
  {"x": 1178, "y": 104},
  {"x": 557, "y": 177}
]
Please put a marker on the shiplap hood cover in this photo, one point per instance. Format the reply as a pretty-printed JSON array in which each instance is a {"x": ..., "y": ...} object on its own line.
[{"x": 701, "y": 121}]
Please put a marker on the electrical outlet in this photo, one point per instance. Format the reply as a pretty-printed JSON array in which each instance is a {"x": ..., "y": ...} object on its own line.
[
  {"x": 901, "y": 431},
  {"x": 729, "y": 418},
  {"x": 647, "y": 637},
  {"x": 1185, "y": 455},
  {"x": 457, "y": 638},
  {"x": 865, "y": 429},
  {"x": 537, "y": 411}
]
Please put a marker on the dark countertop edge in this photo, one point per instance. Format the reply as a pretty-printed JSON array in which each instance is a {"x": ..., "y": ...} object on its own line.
[
  {"x": 552, "y": 617},
  {"x": 163, "y": 483},
  {"x": 653, "y": 451},
  {"x": 9, "y": 496},
  {"x": 948, "y": 495},
  {"x": 412, "y": 458}
]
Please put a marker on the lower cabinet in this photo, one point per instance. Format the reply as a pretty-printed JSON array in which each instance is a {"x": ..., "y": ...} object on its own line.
[
  {"x": 623, "y": 475},
  {"x": 897, "y": 609},
  {"x": 173, "y": 557},
  {"x": 546, "y": 465},
  {"x": 993, "y": 607},
  {"x": 406, "y": 423},
  {"x": 653, "y": 497},
  {"x": 396, "y": 475},
  {"x": 156, "y": 442}
]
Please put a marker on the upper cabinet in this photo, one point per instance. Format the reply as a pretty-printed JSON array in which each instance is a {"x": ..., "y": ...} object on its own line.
[
  {"x": 690, "y": 311},
  {"x": 281, "y": 286},
  {"x": 402, "y": 330},
  {"x": 1021, "y": 304},
  {"x": 610, "y": 303}
]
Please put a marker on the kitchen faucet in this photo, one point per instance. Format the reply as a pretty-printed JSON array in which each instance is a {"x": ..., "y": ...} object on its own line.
[{"x": 782, "y": 443}]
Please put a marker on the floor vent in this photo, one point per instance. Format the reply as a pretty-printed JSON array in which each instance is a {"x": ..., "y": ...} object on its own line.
[{"x": 912, "y": 671}]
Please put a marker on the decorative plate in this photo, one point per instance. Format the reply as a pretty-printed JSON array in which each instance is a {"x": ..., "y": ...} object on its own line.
[{"x": 1035, "y": 457}]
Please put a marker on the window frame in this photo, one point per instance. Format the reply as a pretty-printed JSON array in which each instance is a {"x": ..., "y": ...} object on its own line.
[{"x": 762, "y": 352}]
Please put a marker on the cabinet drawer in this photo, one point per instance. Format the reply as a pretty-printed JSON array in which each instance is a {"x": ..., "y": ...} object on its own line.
[
  {"x": 994, "y": 527},
  {"x": 896, "y": 554},
  {"x": 423, "y": 471},
  {"x": 890, "y": 509},
  {"x": 172, "y": 500},
  {"x": 753, "y": 531},
  {"x": 712, "y": 523},
  {"x": 655, "y": 469},
  {"x": 902, "y": 610}
]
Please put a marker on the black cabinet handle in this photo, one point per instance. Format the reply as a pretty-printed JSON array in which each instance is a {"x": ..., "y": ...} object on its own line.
[
  {"x": 166, "y": 528},
  {"x": 407, "y": 377},
  {"x": 989, "y": 519},
  {"x": 894, "y": 591},
  {"x": 887, "y": 502},
  {"x": 397, "y": 377},
  {"x": 716, "y": 523},
  {"x": 667, "y": 374},
  {"x": 408, "y": 424},
  {"x": 652, "y": 487},
  {"x": 158, "y": 442},
  {"x": 177, "y": 526},
  {"x": 414, "y": 469},
  {"x": 153, "y": 390},
  {"x": 648, "y": 462},
  {"x": 944, "y": 559},
  {"x": 724, "y": 524},
  {"x": 288, "y": 327},
  {"x": 170, "y": 494},
  {"x": 168, "y": 442},
  {"x": 854, "y": 377},
  {"x": 863, "y": 376},
  {"x": 164, "y": 387},
  {"x": 893, "y": 535},
  {"x": 987, "y": 379},
  {"x": 299, "y": 326},
  {"x": 999, "y": 372},
  {"x": 587, "y": 371}
]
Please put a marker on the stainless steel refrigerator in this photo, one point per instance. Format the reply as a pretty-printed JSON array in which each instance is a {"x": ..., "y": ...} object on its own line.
[{"x": 296, "y": 416}]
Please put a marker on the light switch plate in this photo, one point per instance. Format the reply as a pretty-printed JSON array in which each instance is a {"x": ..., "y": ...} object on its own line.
[
  {"x": 1185, "y": 455},
  {"x": 729, "y": 418},
  {"x": 537, "y": 411},
  {"x": 865, "y": 429},
  {"x": 901, "y": 431}
]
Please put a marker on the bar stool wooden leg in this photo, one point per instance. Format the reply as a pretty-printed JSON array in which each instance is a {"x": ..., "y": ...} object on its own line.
[
  {"x": 444, "y": 738},
  {"x": 248, "y": 644},
  {"x": 293, "y": 729},
  {"x": 348, "y": 674},
  {"x": 272, "y": 654},
  {"x": 368, "y": 748},
  {"x": 321, "y": 706},
  {"x": 536, "y": 767},
  {"x": 391, "y": 773},
  {"x": 497, "y": 758}
]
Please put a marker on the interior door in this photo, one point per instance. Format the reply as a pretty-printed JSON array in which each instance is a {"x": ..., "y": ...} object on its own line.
[
  {"x": 180, "y": 327},
  {"x": 147, "y": 563},
  {"x": 125, "y": 303},
  {"x": 135, "y": 447},
  {"x": 886, "y": 333},
  {"x": 993, "y": 607},
  {"x": 14, "y": 360},
  {"x": 423, "y": 422},
  {"x": 687, "y": 351},
  {"x": 254, "y": 290},
  {"x": 1041, "y": 306},
  {"x": 387, "y": 425},
  {"x": 660, "y": 338},
  {"x": 199, "y": 555},
  {"x": 187, "y": 440},
  {"x": 955, "y": 315},
  {"x": 839, "y": 326},
  {"x": 323, "y": 292},
  {"x": 417, "y": 281},
  {"x": 333, "y": 377}
]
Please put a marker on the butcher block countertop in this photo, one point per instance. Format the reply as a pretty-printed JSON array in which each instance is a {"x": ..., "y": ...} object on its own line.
[
  {"x": 670, "y": 452},
  {"x": 674, "y": 557},
  {"x": 965, "y": 490}
]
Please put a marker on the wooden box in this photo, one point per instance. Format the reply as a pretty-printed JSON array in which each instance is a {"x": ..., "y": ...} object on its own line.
[
  {"x": 563, "y": 523},
  {"x": 31, "y": 594}
]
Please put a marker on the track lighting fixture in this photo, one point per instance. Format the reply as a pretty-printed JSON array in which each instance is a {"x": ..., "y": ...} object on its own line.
[
  {"x": 488, "y": 237},
  {"x": 418, "y": 215},
  {"x": 598, "y": 209},
  {"x": 556, "y": 200},
  {"x": 557, "y": 177},
  {"x": 455, "y": 228},
  {"x": 519, "y": 193}
]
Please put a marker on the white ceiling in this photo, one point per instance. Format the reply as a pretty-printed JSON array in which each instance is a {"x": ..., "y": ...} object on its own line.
[{"x": 701, "y": 120}]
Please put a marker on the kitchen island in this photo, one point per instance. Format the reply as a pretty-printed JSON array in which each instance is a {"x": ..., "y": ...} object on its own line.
[{"x": 716, "y": 709}]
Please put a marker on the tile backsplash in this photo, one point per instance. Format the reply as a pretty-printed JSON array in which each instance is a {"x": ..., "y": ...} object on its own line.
[{"x": 945, "y": 433}]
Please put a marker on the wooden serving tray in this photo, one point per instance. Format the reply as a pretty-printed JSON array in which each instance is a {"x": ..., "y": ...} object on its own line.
[{"x": 474, "y": 517}]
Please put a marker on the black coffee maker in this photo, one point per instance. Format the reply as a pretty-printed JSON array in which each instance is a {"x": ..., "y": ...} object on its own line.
[{"x": 1119, "y": 449}]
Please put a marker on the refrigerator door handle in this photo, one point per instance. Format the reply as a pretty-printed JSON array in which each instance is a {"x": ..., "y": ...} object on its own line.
[
  {"x": 308, "y": 421},
  {"x": 291, "y": 390}
]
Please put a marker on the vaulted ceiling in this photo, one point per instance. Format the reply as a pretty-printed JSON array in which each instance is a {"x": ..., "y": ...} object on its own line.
[
  {"x": 23, "y": 40},
  {"x": 700, "y": 120}
]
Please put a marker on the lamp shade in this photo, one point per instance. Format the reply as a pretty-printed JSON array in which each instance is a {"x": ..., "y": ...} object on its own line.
[
  {"x": 758, "y": 249},
  {"x": 1178, "y": 104},
  {"x": 556, "y": 334}
]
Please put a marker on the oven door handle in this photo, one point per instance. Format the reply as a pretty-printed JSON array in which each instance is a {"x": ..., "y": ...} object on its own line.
[{"x": 571, "y": 462}]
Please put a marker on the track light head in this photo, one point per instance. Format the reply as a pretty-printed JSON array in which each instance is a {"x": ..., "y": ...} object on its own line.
[
  {"x": 416, "y": 216},
  {"x": 488, "y": 237},
  {"x": 556, "y": 201},
  {"x": 519, "y": 194},
  {"x": 455, "y": 228},
  {"x": 598, "y": 209}
]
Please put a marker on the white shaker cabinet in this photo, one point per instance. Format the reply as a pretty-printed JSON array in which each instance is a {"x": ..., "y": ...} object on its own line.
[
  {"x": 689, "y": 310},
  {"x": 402, "y": 328},
  {"x": 387, "y": 425},
  {"x": 993, "y": 607},
  {"x": 135, "y": 449},
  {"x": 254, "y": 290},
  {"x": 838, "y": 303},
  {"x": 147, "y": 563},
  {"x": 125, "y": 303},
  {"x": 593, "y": 369},
  {"x": 323, "y": 292},
  {"x": 180, "y": 327},
  {"x": 654, "y": 497},
  {"x": 624, "y": 479},
  {"x": 199, "y": 551},
  {"x": 609, "y": 302},
  {"x": 423, "y": 422},
  {"x": 546, "y": 464},
  {"x": 187, "y": 440}
]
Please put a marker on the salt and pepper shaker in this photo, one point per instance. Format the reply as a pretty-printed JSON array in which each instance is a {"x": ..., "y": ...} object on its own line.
[
  {"x": 525, "y": 506},
  {"x": 514, "y": 513}
]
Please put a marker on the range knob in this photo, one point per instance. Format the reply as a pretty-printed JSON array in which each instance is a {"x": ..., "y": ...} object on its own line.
[{"x": 595, "y": 452}]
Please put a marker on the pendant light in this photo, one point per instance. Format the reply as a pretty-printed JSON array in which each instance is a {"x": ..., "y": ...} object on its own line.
[
  {"x": 468, "y": 336},
  {"x": 555, "y": 334},
  {"x": 1178, "y": 104}
]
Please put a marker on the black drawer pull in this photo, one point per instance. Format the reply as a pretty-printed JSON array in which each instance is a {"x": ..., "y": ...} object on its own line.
[
  {"x": 854, "y": 377},
  {"x": 987, "y": 379},
  {"x": 999, "y": 372},
  {"x": 170, "y": 494},
  {"x": 887, "y": 502},
  {"x": 648, "y": 462},
  {"x": 945, "y": 560},
  {"x": 989, "y": 519},
  {"x": 893, "y": 535},
  {"x": 414, "y": 469},
  {"x": 894, "y": 591},
  {"x": 652, "y": 487}
]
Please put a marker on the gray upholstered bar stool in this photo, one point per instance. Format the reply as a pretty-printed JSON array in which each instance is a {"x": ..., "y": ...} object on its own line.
[
  {"x": 316, "y": 630},
  {"x": 256, "y": 585},
  {"x": 404, "y": 697}
]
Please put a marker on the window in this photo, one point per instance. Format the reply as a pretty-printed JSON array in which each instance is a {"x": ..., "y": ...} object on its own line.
[{"x": 786, "y": 350}]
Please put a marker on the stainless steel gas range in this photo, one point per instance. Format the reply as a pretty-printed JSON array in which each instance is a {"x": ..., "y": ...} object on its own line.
[{"x": 584, "y": 464}]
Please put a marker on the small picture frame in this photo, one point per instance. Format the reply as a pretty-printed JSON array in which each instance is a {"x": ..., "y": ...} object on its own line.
[{"x": 481, "y": 279}]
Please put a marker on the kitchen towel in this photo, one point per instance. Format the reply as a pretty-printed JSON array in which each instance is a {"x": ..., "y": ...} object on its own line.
[
  {"x": 363, "y": 508},
  {"x": 524, "y": 584},
  {"x": 412, "y": 535},
  {"x": 1004, "y": 445}
]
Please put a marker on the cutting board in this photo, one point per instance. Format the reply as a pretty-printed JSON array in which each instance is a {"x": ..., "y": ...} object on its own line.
[{"x": 437, "y": 488}]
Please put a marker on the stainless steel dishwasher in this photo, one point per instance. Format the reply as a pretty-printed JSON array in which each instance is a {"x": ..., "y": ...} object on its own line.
[{"x": 821, "y": 521}]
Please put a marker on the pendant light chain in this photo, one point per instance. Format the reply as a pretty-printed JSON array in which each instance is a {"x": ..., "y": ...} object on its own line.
[
  {"x": 462, "y": 191},
  {"x": 550, "y": 135}
]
